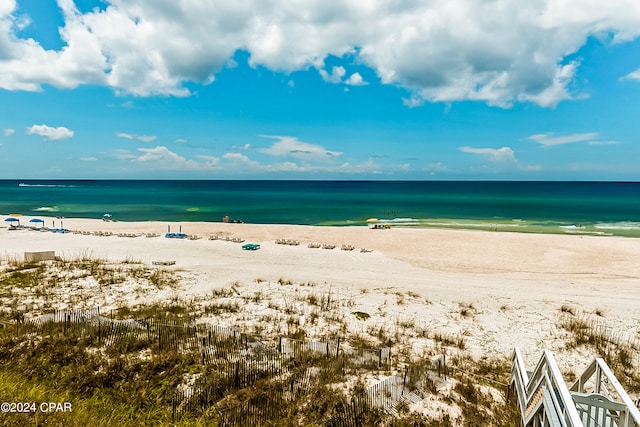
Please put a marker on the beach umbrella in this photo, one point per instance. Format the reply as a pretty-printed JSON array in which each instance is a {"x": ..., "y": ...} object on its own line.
[
  {"x": 36, "y": 220},
  {"x": 12, "y": 219},
  {"x": 370, "y": 220}
]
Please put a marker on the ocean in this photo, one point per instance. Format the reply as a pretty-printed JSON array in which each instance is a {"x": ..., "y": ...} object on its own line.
[{"x": 593, "y": 208}]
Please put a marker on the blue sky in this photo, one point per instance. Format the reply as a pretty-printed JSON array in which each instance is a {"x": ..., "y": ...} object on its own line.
[{"x": 309, "y": 89}]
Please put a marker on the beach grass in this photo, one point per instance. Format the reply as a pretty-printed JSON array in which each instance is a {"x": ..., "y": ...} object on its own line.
[
  {"x": 134, "y": 381},
  {"x": 620, "y": 351},
  {"x": 265, "y": 312}
]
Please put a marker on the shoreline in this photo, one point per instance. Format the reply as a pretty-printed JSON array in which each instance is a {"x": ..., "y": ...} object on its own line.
[
  {"x": 515, "y": 282},
  {"x": 613, "y": 228}
]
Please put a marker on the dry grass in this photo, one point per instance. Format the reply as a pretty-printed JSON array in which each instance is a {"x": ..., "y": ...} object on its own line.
[
  {"x": 620, "y": 352},
  {"x": 286, "y": 309}
]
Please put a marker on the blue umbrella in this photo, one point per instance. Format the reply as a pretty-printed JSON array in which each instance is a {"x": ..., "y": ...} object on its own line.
[
  {"x": 12, "y": 219},
  {"x": 36, "y": 220}
]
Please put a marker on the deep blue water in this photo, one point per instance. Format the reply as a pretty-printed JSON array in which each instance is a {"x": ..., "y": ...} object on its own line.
[{"x": 546, "y": 207}]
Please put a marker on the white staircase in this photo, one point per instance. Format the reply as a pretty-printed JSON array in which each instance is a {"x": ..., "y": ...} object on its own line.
[{"x": 596, "y": 399}]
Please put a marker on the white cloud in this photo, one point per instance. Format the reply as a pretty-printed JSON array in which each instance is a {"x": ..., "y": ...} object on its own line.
[
  {"x": 241, "y": 147},
  {"x": 336, "y": 75},
  {"x": 436, "y": 167},
  {"x": 367, "y": 167},
  {"x": 49, "y": 132},
  {"x": 181, "y": 140},
  {"x": 240, "y": 164},
  {"x": 634, "y": 75},
  {"x": 210, "y": 160},
  {"x": 500, "y": 159},
  {"x": 143, "y": 138},
  {"x": 125, "y": 135},
  {"x": 499, "y": 52},
  {"x": 550, "y": 139},
  {"x": 413, "y": 101},
  {"x": 238, "y": 157},
  {"x": 504, "y": 154},
  {"x": 291, "y": 146},
  {"x": 147, "y": 138},
  {"x": 161, "y": 158},
  {"x": 9, "y": 132},
  {"x": 355, "y": 79},
  {"x": 88, "y": 159}
]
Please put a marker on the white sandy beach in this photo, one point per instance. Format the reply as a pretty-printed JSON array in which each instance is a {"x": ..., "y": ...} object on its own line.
[{"x": 514, "y": 283}]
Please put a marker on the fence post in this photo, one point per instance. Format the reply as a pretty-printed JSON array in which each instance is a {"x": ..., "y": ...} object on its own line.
[
  {"x": 237, "y": 376},
  {"x": 355, "y": 413},
  {"x": 444, "y": 365},
  {"x": 404, "y": 380}
]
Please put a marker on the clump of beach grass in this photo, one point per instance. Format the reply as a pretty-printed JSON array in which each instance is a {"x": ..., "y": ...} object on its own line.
[{"x": 618, "y": 351}]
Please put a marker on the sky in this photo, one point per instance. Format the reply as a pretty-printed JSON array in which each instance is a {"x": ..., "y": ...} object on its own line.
[{"x": 320, "y": 89}]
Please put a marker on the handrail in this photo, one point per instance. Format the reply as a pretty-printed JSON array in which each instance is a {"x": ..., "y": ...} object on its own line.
[
  {"x": 632, "y": 412},
  {"x": 520, "y": 378},
  {"x": 545, "y": 388},
  {"x": 546, "y": 375},
  {"x": 600, "y": 368}
]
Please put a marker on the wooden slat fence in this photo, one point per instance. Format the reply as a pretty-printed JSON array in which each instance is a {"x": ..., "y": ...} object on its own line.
[
  {"x": 364, "y": 357},
  {"x": 237, "y": 361}
]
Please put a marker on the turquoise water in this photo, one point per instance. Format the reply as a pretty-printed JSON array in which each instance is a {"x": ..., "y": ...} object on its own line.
[{"x": 601, "y": 208}]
